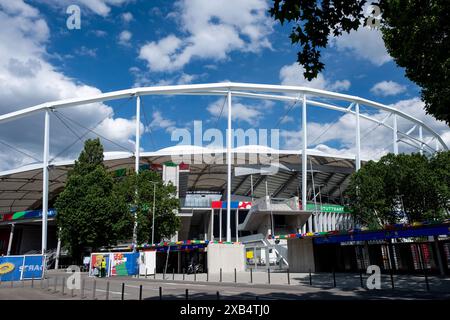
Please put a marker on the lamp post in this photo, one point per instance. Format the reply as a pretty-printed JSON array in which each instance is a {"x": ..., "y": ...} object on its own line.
[{"x": 153, "y": 215}]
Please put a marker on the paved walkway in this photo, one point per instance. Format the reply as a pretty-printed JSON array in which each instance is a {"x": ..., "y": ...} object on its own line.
[{"x": 347, "y": 287}]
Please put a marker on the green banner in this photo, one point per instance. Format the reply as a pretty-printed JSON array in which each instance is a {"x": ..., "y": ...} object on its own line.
[{"x": 329, "y": 208}]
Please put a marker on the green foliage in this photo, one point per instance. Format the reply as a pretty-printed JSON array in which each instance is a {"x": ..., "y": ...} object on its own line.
[
  {"x": 137, "y": 191},
  {"x": 399, "y": 187},
  {"x": 314, "y": 22},
  {"x": 416, "y": 34},
  {"x": 89, "y": 213}
]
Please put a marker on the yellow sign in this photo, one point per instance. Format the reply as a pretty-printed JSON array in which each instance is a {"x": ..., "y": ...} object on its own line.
[
  {"x": 6, "y": 267},
  {"x": 250, "y": 254}
]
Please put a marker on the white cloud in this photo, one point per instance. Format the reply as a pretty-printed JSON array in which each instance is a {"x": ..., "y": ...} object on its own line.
[
  {"x": 159, "y": 122},
  {"x": 374, "y": 142},
  {"x": 127, "y": 17},
  {"x": 125, "y": 37},
  {"x": 100, "y": 7},
  {"x": 387, "y": 88},
  {"x": 365, "y": 43},
  {"x": 27, "y": 78},
  {"x": 213, "y": 29},
  {"x": 251, "y": 114},
  {"x": 293, "y": 75}
]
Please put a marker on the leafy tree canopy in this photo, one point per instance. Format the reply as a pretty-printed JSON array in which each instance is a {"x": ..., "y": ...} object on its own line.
[
  {"x": 416, "y": 35},
  {"x": 401, "y": 187},
  {"x": 89, "y": 213},
  {"x": 137, "y": 192}
]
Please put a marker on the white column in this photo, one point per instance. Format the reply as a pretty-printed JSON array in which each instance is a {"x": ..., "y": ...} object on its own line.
[
  {"x": 421, "y": 139},
  {"x": 358, "y": 139},
  {"x": 11, "y": 237},
  {"x": 45, "y": 180},
  {"x": 212, "y": 225},
  {"x": 137, "y": 154},
  {"x": 395, "y": 134},
  {"x": 220, "y": 224},
  {"x": 58, "y": 250},
  {"x": 304, "y": 156},
  {"x": 138, "y": 134},
  {"x": 229, "y": 142},
  {"x": 237, "y": 225}
]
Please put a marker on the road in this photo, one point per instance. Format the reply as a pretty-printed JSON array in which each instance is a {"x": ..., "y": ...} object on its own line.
[{"x": 48, "y": 289}]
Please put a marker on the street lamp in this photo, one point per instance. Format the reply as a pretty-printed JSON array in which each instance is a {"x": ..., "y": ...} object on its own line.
[{"x": 153, "y": 215}]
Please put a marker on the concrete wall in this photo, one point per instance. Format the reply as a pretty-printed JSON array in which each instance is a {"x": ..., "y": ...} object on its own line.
[
  {"x": 301, "y": 255},
  {"x": 226, "y": 256}
]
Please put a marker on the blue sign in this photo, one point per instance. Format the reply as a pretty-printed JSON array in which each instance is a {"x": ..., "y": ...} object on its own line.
[{"x": 16, "y": 268}]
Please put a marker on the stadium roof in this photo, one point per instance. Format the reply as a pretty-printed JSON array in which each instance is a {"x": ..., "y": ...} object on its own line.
[{"x": 21, "y": 188}]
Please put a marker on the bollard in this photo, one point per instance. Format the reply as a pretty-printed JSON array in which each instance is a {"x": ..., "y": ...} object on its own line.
[
  {"x": 63, "y": 285},
  {"x": 289, "y": 276},
  {"x": 218, "y": 295},
  {"x": 310, "y": 278},
  {"x": 251, "y": 275},
  {"x": 140, "y": 292},
  {"x": 94, "y": 288},
  {"x": 48, "y": 284},
  {"x": 268, "y": 274},
  {"x": 220, "y": 274},
  {"x": 164, "y": 274},
  {"x": 207, "y": 275},
  {"x": 160, "y": 293},
  {"x": 187, "y": 294},
  {"x": 235, "y": 276},
  {"x": 154, "y": 274},
  {"x": 82, "y": 288},
  {"x": 107, "y": 290},
  {"x": 72, "y": 293},
  {"x": 11, "y": 284},
  {"x": 426, "y": 280},
  {"x": 145, "y": 273},
  {"x": 123, "y": 291},
  {"x": 361, "y": 279},
  {"x": 55, "y": 283},
  {"x": 173, "y": 274},
  {"x": 195, "y": 275},
  {"x": 32, "y": 281},
  {"x": 334, "y": 279},
  {"x": 183, "y": 274},
  {"x": 392, "y": 278}
]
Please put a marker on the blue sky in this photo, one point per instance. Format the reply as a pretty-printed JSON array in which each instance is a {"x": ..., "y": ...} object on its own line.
[{"x": 127, "y": 43}]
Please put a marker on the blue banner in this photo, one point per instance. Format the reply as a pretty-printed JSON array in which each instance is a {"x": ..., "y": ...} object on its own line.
[
  {"x": 16, "y": 268},
  {"x": 33, "y": 267}
]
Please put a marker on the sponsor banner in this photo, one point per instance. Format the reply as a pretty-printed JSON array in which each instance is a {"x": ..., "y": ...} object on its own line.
[
  {"x": 124, "y": 264},
  {"x": 33, "y": 214},
  {"x": 96, "y": 263},
  {"x": 16, "y": 268}
]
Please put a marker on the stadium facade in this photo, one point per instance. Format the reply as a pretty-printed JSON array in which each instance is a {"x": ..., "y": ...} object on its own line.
[{"x": 227, "y": 197}]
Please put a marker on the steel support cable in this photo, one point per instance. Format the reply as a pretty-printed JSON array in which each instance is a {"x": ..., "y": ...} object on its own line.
[
  {"x": 96, "y": 133},
  {"x": 330, "y": 125},
  {"x": 20, "y": 151},
  {"x": 287, "y": 111},
  {"x": 87, "y": 130},
  {"x": 67, "y": 125},
  {"x": 147, "y": 123},
  {"x": 221, "y": 111}
]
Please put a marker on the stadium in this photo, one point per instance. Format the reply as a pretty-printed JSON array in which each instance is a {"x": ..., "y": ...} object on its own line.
[{"x": 228, "y": 198}]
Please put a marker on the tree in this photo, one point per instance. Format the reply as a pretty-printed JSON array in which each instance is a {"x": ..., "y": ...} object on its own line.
[
  {"x": 137, "y": 191},
  {"x": 89, "y": 214},
  {"x": 416, "y": 35},
  {"x": 400, "y": 187}
]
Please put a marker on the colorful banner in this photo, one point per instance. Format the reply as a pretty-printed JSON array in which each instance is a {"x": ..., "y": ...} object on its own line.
[
  {"x": 233, "y": 205},
  {"x": 16, "y": 268},
  {"x": 124, "y": 264},
  {"x": 33, "y": 214},
  {"x": 95, "y": 267}
]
